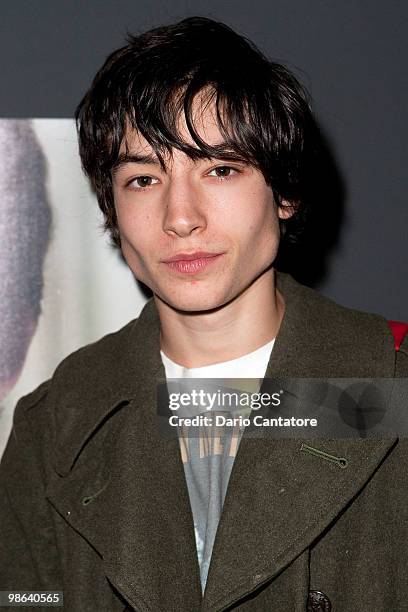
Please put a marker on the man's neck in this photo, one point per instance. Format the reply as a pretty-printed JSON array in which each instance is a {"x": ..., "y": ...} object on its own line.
[{"x": 243, "y": 325}]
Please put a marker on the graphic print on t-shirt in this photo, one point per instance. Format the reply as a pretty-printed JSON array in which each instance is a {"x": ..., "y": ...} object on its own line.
[{"x": 208, "y": 456}]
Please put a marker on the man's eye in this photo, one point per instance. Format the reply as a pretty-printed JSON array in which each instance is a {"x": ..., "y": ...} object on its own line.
[
  {"x": 141, "y": 182},
  {"x": 222, "y": 172}
]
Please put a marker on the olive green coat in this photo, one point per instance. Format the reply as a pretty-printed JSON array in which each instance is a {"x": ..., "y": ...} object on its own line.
[{"x": 94, "y": 502}]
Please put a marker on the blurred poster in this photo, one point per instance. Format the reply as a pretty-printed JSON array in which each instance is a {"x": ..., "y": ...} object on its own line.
[{"x": 61, "y": 284}]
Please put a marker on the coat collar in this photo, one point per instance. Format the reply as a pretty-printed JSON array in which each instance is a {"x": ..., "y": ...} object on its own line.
[
  {"x": 93, "y": 382},
  {"x": 279, "y": 499}
]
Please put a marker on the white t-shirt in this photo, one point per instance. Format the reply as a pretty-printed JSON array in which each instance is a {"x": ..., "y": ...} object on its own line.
[{"x": 207, "y": 473}]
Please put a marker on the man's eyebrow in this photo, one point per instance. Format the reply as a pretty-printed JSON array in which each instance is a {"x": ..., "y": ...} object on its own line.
[
  {"x": 135, "y": 158},
  {"x": 151, "y": 158}
]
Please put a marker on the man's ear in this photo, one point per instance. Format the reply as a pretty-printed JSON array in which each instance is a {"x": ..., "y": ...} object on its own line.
[{"x": 286, "y": 209}]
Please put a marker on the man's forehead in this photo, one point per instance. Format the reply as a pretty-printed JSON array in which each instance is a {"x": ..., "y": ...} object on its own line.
[{"x": 134, "y": 142}]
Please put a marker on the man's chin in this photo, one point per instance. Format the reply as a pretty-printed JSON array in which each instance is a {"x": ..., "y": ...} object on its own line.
[{"x": 192, "y": 304}]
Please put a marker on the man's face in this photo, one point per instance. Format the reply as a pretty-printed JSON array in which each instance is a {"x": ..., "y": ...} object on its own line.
[{"x": 221, "y": 213}]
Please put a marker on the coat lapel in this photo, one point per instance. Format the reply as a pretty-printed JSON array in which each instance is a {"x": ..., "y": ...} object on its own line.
[
  {"x": 280, "y": 498},
  {"x": 279, "y": 501},
  {"x": 125, "y": 490}
]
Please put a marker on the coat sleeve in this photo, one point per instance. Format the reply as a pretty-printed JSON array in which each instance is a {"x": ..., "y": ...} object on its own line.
[{"x": 28, "y": 552}]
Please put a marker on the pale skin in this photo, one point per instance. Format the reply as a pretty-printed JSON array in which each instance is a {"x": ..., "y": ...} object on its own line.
[{"x": 230, "y": 307}]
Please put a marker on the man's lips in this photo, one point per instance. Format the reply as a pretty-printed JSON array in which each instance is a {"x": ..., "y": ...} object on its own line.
[
  {"x": 191, "y": 256},
  {"x": 191, "y": 263}
]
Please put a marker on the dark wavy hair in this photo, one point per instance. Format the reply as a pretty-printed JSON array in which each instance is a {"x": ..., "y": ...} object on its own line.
[{"x": 263, "y": 112}]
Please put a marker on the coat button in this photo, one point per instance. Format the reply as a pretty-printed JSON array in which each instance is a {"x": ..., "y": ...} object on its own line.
[{"x": 318, "y": 602}]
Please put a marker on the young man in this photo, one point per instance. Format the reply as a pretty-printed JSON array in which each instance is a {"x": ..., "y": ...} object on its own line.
[{"x": 203, "y": 154}]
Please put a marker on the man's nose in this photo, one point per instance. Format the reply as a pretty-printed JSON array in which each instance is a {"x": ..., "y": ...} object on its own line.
[{"x": 184, "y": 211}]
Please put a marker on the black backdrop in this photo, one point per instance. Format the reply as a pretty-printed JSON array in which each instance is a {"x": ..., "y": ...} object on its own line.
[{"x": 352, "y": 56}]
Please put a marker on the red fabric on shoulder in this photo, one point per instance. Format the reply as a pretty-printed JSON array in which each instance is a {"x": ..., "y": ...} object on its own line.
[{"x": 398, "y": 329}]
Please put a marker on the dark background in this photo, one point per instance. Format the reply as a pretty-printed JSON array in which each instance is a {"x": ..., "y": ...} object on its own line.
[{"x": 351, "y": 55}]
